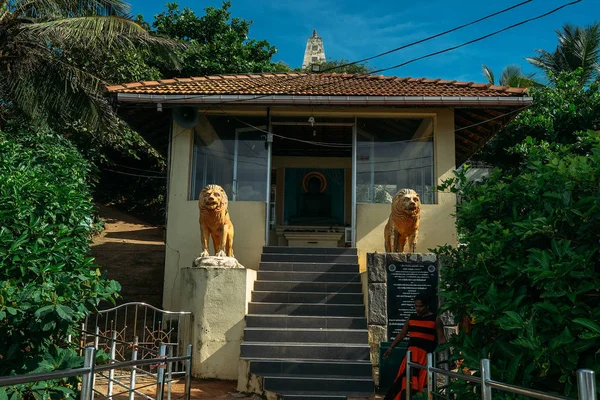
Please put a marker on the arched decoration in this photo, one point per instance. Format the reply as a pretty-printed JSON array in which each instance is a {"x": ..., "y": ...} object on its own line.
[{"x": 314, "y": 174}]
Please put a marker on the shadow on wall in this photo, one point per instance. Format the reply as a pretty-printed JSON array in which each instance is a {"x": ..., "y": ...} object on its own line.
[{"x": 223, "y": 361}]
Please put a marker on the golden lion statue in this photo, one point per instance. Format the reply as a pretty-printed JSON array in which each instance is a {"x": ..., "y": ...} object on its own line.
[
  {"x": 215, "y": 222},
  {"x": 403, "y": 223}
]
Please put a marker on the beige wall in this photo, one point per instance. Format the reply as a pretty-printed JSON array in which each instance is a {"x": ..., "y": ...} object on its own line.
[
  {"x": 183, "y": 234},
  {"x": 437, "y": 223},
  {"x": 183, "y": 228}
]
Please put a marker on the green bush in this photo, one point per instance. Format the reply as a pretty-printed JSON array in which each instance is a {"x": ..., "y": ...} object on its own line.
[
  {"x": 48, "y": 281},
  {"x": 528, "y": 268}
]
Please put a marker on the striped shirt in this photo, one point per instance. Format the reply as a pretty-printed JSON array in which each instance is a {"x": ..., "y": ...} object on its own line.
[{"x": 422, "y": 332}]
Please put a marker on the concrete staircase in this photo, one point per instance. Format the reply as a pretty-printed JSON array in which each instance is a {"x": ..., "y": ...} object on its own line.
[{"x": 306, "y": 333}]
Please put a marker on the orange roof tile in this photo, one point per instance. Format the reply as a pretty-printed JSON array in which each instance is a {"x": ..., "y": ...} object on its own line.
[{"x": 315, "y": 84}]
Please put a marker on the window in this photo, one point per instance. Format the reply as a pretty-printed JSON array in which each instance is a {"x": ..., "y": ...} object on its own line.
[
  {"x": 230, "y": 153},
  {"x": 315, "y": 47},
  {"x": 393, "y": 154},
  {"x": 315, "y": 59}
]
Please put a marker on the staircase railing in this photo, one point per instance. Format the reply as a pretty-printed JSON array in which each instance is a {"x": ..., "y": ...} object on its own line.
[
  {"x": 89, "y": 371},
  {"x": 586, "y": 382}
]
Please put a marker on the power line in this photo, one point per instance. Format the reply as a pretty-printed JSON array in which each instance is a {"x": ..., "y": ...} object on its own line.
[
  {"x": 136, "y": 175},
  {"x": 342, "y": 145},
  {"x": 313, "y": 86},
  {"x": 426, "y": 39},
  {"x": 478, "y": 39},
  {"x": 429, "y": 37}
]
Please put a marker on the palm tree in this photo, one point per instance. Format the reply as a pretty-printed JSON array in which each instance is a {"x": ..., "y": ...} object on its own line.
[
  {"x": 36, "y": 40},
  {"x": 512, "y": 75},
  {"x": 577, "y": 48}
]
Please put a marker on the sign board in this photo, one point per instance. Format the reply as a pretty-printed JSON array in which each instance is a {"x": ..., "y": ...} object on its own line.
[{"x": 404, "y": 282}]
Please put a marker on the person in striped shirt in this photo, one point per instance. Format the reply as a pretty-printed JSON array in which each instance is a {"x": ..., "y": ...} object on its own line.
[{"x": 425, "y": 331}]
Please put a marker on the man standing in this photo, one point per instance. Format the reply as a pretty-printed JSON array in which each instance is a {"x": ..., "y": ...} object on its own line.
[{"x": 425, "y": 331}]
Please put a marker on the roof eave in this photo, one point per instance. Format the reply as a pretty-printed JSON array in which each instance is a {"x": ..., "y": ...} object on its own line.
[{"x": 479, "y": 101}]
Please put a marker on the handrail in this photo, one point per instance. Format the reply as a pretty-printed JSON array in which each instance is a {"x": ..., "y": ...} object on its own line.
[
  {"x": 90, "y": 369},
  {"x": 536, "y": 394},
  {"x": 585, "y": 379},
  {"x": 146, "y": 305},
  {"x": 42, "y": 376}
]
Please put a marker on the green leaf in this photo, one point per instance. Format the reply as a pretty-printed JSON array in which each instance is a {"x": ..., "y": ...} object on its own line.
[
  {"x": 43, "y": 311},
  {"x": 589, "y": 324},
  {"x": 64, "y": 312}
]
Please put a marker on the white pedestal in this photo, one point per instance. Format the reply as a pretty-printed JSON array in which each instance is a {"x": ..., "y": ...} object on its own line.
[{"x": 217, "y": 291}]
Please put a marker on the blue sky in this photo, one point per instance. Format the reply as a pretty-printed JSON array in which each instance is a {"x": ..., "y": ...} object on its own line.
[{"x": 355, "y": 29}]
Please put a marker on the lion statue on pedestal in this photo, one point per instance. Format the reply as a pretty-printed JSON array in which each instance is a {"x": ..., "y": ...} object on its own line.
[
  {"x": 403, "y": 224},
  {"x": 215, "y": 222}
]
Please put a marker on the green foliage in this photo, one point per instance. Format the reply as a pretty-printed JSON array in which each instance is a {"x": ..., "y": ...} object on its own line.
[
  {"x": 561, "y": 114},
  {"x": 512, "y": 75},
  {"x": 39, "y": 40},
  {"x": 527, "y": 270},
  {"x": 578, "y": 48},
  {"x": 48, "y": 281},
  {"x": 216, "y": 43},
  {"x": 342, "y": 66}
]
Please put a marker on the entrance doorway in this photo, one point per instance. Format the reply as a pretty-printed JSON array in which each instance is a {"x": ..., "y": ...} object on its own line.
[{"x": 312, "y": 167}]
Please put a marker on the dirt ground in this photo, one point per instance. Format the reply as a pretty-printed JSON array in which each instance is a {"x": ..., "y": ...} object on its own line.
[{"x": 133, "y": 253}]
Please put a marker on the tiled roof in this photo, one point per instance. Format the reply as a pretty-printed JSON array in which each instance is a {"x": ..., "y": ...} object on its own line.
[{"x": 316, "y": 85}]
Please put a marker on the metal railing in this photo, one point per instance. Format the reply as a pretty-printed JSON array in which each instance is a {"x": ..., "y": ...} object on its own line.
[
  {"x": 586, "y": 382},
  {"x": 89, "y": 371}
]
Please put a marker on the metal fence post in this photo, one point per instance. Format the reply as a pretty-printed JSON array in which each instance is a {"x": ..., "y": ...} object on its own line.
[
  {"x": 87, "y": 383},
  {"x": 111, "y": 373},
  {"x": 486, "y": 391},
  {"x": 408, "y": 375},
  {"x": 188, "y": 372},
  {"x": 169, "y": 373},
  {"x": 134, "y": 353},
  {"x": 160, "y": 373},
  {"x": 430, "y": 382},
  {"x": 586, "y": 384},
  {"x": 447, "y": 377}
]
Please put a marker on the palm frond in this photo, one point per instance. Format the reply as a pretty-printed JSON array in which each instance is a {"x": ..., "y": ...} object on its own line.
[
  {"x": 94, "y": 31},
  {"x": 489, "y": 74},
  {"x": 44, "y": 88},
  {"x": 50, "y": 9}
]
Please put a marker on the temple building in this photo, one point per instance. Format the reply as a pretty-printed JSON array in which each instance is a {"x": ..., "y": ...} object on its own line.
[
  {"x": 315, "y": 52},
  {"x": 309, "y": 163}
]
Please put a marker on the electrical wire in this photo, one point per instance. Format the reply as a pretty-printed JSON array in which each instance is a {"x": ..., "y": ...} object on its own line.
[
  {"x": 320, "y": 84},
  {"x": 426, "y": 39},
  {"x": 136, "y": 175},
  {"x": 479, "y": 38},
  {"x": 448, "y": 49}
]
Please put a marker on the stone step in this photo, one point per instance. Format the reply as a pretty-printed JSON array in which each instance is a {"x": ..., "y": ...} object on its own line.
[
  {"x": 332, "y": 310},
  {"x": 308, "y": 276},
  {"x": 314, "y": 395},
  {"x": 306, "y": 297},
  {"x": 295, "y": 286},
  {"x": 310, "y": 250},
  {"x": 264, "y": 367},
  {"x": 309, "y": 267},
  {"x": 303, "y": 335},
  {"x": 312, "y": 258},
  {"x": 297, "y": 321},
  {"x": 305, "y": 351},
  {"x": 283, "y": 384}
]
